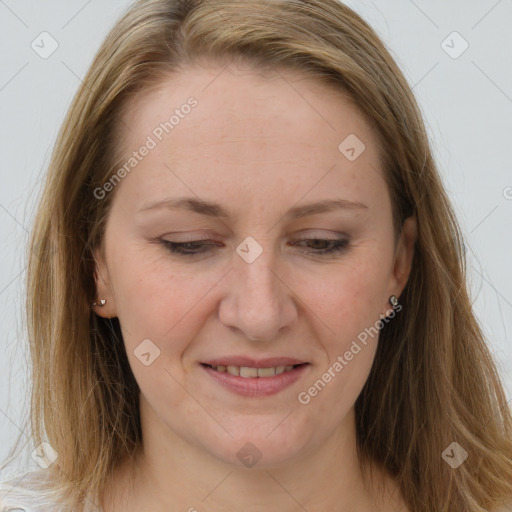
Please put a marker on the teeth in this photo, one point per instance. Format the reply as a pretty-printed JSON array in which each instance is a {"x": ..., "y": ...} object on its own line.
[
  {"x": 245, "y": 371},
  {"x": 265, "y": 372},
  {"x": 233, "y": 370},
  {"x": 248, "y": 372}
]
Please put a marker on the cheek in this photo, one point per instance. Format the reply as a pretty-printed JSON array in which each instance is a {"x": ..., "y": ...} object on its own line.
[
  {"x": 349, "y": 304},
  {"x": 160, "y": 301},
  {"x": 348, "y": 299}
]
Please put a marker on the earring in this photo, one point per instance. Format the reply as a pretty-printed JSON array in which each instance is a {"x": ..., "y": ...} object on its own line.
[
  {"x": 101, "y": 303},
  {"x": 393, "y": 301}
]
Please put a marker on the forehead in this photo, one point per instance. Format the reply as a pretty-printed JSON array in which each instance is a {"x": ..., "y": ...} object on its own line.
[
  {"x": 227, "y": 96},
  {"x": 282, "y": 131}
]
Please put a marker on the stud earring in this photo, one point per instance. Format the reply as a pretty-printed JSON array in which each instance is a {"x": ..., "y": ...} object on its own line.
[
  {"x": 393, "y": 301},
  {"x": 102, "y": 302}
]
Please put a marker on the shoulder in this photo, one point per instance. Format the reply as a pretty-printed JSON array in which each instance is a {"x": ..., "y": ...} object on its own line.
[{"x": 27, "y": 492}]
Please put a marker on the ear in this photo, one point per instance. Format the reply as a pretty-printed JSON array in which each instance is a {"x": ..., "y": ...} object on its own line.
[
  {"x": 404, "y": 254},
  {"x": 103, "y": 287}
]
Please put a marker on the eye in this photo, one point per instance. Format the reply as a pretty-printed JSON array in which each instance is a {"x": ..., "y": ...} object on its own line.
[
  {"x": 320, "y": 246},
  {"x": 192, "y": 248},
  {"x": 327, "y": 246}
]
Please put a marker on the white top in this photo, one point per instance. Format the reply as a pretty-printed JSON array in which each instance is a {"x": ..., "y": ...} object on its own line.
[{"x": 30, "y": 492}]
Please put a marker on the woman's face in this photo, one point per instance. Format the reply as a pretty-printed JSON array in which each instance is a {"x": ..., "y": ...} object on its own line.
[{"x": 251, "y": 155}]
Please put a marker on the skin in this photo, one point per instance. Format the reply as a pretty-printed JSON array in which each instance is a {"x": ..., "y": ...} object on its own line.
[{"x": 258, "y": 145}]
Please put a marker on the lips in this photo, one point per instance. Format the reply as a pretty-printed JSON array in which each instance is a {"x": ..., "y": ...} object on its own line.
[
  {"x": 250, "y": 372},
  {"x": 242, "y": 361},
  {"x": 255, "y": 377}
]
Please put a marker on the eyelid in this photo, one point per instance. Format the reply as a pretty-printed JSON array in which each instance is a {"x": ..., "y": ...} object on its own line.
[
  {"x": 303, "y": 236},
  {"x": 311, "y": 232},
  {"x": 189, "y": 237},
  {"x": 316, "y": 232},
  {"x": 339, "y": 247}
]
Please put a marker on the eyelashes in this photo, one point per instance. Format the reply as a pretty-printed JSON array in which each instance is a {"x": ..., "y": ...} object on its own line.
[{"x": 328, "y": 247}]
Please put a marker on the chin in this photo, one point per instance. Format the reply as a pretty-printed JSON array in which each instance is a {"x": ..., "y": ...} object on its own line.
[{"x": 262, "y": 448}]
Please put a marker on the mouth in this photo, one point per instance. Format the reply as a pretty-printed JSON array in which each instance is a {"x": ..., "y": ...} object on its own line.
[
  {"x": 254, "y": 381},
  {"x": 248, "y": 372}
]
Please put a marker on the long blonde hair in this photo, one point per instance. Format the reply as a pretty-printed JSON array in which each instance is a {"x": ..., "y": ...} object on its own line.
[{"x": 433, "y": 381}]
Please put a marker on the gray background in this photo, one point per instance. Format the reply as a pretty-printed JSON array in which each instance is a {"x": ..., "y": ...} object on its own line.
[{"x": 466, "y": 102}]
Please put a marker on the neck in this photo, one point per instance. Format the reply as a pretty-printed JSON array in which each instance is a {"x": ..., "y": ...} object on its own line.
[{"x": 172, "y": 475}]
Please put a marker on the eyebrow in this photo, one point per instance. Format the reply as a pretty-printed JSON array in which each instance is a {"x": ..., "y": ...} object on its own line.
[{"x": 212, "y": 209}]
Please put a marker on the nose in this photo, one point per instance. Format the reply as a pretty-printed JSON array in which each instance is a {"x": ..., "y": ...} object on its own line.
[{"x": 258, "y": 300}]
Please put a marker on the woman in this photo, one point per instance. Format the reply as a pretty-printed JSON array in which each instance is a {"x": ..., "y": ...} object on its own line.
[{"x": 250, "y": 292}]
